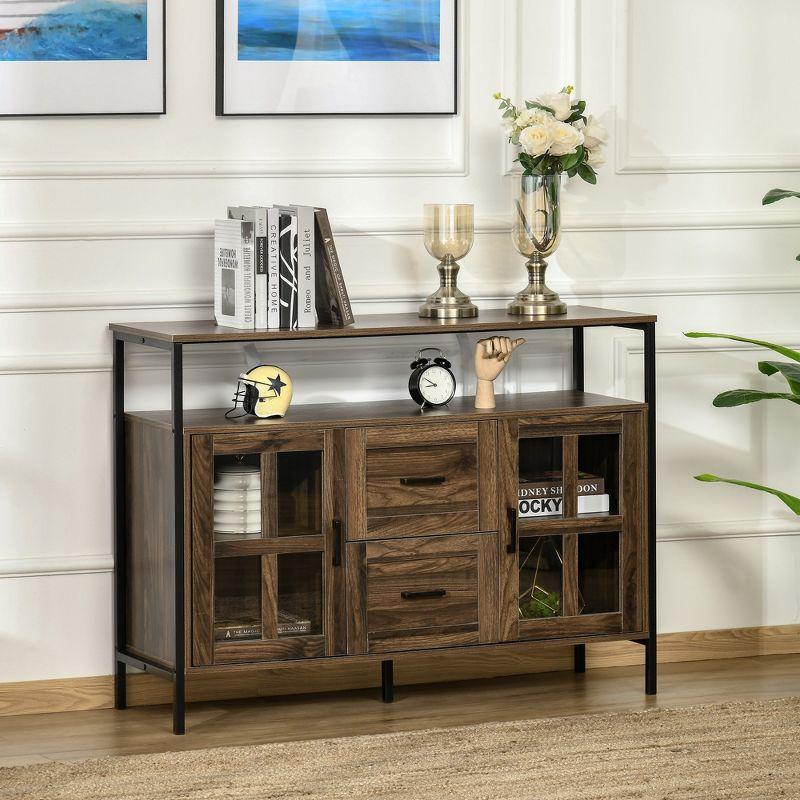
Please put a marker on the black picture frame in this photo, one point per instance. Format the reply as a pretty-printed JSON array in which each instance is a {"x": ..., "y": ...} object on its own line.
[
  {"x": 220, "y": 80},
  {"x": 115, "y": 114}
]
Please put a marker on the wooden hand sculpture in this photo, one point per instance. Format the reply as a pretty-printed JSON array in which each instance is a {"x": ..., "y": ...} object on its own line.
[{"x": 491, "y": 357}]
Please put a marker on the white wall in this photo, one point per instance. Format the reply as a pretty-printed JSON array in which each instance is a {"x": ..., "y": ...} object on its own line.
[{"x": 109, "y": 219}]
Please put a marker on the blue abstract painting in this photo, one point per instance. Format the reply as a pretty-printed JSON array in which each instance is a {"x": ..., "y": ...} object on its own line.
[
  {"x": 73, "y": 30},
  {"x": 339, "y": 30}
]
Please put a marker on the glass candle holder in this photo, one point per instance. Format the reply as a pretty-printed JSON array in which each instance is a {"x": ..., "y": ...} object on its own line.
[{"x": 449, "y": 235}]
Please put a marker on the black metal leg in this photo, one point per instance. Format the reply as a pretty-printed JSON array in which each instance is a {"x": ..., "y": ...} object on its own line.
[
  {"x": 578, "y": 376},
  {"x": 120, "y": 615},
  {"x": 579, "y": 658},
  {"x": 179, "y": 688},
  {"x": 121, "y": 686},
  {"x": 387, "y": 681},
  {"x": 651, "y": 660},
  {"x": 577, "y": 359},
  {"x": 179, "y": 705}
]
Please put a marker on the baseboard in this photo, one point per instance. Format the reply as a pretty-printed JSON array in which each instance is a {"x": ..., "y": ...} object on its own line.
[{"x": 84, "y": 694}]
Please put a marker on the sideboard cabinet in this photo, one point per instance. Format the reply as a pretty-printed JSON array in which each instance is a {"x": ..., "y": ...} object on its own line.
[{"x": 377, "y": 530}]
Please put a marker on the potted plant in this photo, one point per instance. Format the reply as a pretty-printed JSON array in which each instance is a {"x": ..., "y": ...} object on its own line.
[{"x": 788, "y": 370}]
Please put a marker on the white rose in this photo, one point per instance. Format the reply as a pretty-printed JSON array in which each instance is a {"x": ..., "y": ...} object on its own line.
[
  {"x": 566, "y": 138},
  {"x": 594, "y": 134},
  {"x": 559, "y": 102},
  {"x": 535, "y": 139},
  {"x": 533, "y": 116},
  {"x": 596, "y": 157}
]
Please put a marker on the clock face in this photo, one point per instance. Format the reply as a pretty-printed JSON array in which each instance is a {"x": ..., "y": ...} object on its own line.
[{"x": 437, "y": 385}]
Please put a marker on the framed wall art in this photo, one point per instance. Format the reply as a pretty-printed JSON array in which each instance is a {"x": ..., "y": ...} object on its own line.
[
  {"x": 65, "y": 57},
  {"x": 294, "y": 57}
]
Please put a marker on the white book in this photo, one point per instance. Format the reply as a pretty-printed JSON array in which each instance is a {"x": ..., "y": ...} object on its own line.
[
  {"x": 552, "y": 506},
  {"x": 234, "y": 273},
  {"x": 273, "y": 268},
  {"x": 306, "y": 278},
  {"x": 258, "y": 216}
]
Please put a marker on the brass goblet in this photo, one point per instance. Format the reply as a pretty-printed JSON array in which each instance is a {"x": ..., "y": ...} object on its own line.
[{"x": 449, "y": 235}]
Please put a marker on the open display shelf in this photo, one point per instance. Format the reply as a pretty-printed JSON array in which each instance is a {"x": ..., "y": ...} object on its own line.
[{"x": 369, "y": 530}]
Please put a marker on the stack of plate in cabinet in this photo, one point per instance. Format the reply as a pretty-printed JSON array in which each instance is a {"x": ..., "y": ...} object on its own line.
[{"x": 237, "y": 502}]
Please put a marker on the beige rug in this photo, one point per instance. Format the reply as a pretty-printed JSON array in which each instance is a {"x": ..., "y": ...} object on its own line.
[{"x": 743, "y": 750}]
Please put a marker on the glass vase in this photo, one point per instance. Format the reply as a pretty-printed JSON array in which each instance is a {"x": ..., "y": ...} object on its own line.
[{"x": 537, "y": 233}]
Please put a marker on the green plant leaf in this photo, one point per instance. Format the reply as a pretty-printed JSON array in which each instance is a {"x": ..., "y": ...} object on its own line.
[
  {"x": 587, "y": 173},
  {"x": 784, "y": 351},
  {"x": 577, "y": 111},
  {"x": 572, "y": 160},
  {"x": 741, "y": 397},
  {"x": 773, "y": 195},
  {"x": 789, "y": 371},
  {"x": 790, "y": 500}
]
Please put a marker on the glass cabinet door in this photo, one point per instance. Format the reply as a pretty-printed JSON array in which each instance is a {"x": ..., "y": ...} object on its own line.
[
  {"x": 541, "y": 577},
  {"x": 598, "y": 474},
  {"x": 541, "y": 477},
  {"x": 264, "y": 552},
  {"x": 563, "y": 539}
]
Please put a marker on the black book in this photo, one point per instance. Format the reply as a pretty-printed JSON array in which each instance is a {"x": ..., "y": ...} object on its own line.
[
  {"x": 288, "y": 271},
  {"x": 332, "y": 300}
]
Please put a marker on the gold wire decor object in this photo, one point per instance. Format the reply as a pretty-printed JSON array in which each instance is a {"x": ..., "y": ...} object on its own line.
[
  {"x": 449, "y": 236},
  {"x": 540, "y": 596},
  {"x": 536, "y": 233}
]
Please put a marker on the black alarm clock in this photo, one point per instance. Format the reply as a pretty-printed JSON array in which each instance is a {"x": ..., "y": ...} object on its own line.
[{"x": 432, "y": 382}]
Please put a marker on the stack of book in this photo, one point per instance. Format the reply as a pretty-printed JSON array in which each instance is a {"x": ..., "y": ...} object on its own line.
[
  {"x": 542, "y": 495},
  {"x": 277, "y": 267},
  {"x": 239, "y": 630}
]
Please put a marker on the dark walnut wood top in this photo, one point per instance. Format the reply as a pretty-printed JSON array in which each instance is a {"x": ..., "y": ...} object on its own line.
[
  {"x": 200, "y": 331},
  {"x": 395, "y": 412}
]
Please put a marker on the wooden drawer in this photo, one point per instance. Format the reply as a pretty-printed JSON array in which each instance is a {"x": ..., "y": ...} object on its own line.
[
  {"x": 411, "y": 482},
  {"x": 422, "y": 593}
]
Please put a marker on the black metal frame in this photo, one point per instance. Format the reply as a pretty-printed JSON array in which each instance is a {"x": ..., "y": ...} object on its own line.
[
  {"x": 220, "y": 81},
  {"x": 92, "y": 114},
  {"x": 177, "y": 673},
  {"x": 123, "y": 659}
]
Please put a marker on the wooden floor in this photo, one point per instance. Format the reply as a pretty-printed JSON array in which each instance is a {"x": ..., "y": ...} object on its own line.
[{"x": 89, "y": 734}]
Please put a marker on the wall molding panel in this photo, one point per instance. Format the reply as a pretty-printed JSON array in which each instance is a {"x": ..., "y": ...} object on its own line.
[
  {"x": 627, "y": 346},
  {"x": 89, "y": 564},
  {"x": 628, "y": 162},
  {"x": 487, "y": 292},
  {"x": 126, "y": 230}
]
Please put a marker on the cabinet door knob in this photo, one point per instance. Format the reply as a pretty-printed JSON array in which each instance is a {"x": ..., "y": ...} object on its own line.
[
  {"x": 511, "y": 547},
  {"x": 431, "y": 480},
  {"x": 423, "y": 595},
  {"x": 337, "y": 543}
]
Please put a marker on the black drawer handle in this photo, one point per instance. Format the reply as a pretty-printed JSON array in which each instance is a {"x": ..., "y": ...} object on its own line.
[
  {"x": 432, "y": 480},
  {"x": 423, "y": 595},
  {"x": 511, "y": 547},
  {"x": 337, "y": 543}
]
